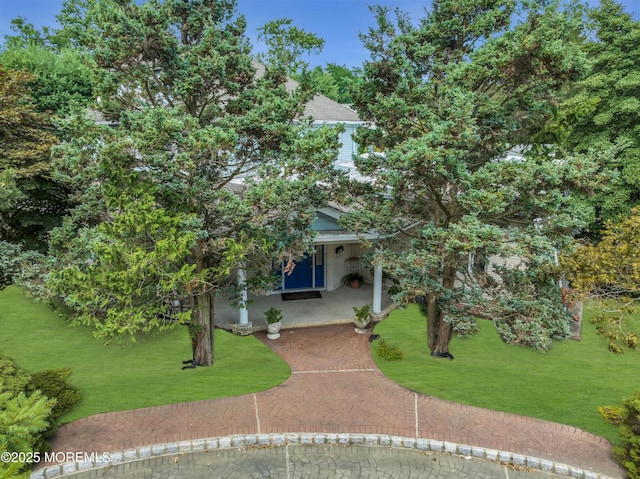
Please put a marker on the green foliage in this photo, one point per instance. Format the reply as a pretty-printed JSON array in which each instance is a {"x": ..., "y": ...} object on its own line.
[
  {"x": 23, "y": 419},
  {"x": 387, "y": 352},
  {"x": 27, "y": 34},
  {"x": 53, "y": 384},
  {"x": 534, "y": 314},
  {"x": 136, "y": 263},
  {"x": 34, "y": 202},
  {"x": 9, "y": 192},
  {"x": 25, "y": 413},
  {"x": 333, "y": 81},
  {"x": 23, "y": 267},
  {"x": 628, "y": 418},
  {"x": 612, "y": 414},
  {"x": 25, "y": 137},
  {"x": 62, "y": 79},
  {"x": 273, "y": 315},
  {"x": 610, "y": 270},
  {"x": 287, "y": 43},
  {"x": 10, "y": 470},
  {"x": 461, "y": 101},
  {"x": 615, "y": 328},
  {"x": 213, "y": 137},
  {"x": 603, "y": 111},
  {"x": 362, "y": 312},
  {"x": 14, "y": 379}
]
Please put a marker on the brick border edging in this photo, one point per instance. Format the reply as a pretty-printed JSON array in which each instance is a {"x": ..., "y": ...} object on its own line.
[{"x": 304, "y": 439}]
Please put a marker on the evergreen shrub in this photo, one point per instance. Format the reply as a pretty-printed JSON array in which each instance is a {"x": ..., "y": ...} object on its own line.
[
  {"x": 628, "y": 418},
  {"x": 389, "y": 353},
  {"x": 53, "y": 384}
]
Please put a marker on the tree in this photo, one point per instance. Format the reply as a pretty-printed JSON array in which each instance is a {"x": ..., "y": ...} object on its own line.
[
  {"x": 26, "y": 139},
  {"x": 606, "y": 111},
  {"x": 26, "y": 34},
  {"x": 62, "y": 75},
  {"x": 234, "y": 172},
  {"x": 9, "y": 192},
  {"x": 609, "y": 273},
  {"x": 334, "y": 81},
  {"x": 124, "y": 274},
  {"x": 451, "y": 98},
  {"x": 286, "y": 44},
  {"x": 62, "y": 79}
]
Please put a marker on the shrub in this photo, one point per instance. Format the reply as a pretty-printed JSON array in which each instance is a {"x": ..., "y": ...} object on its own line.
[
  {"x": 628, "y": 418},
  {"x": 30, "y": 405},
  {"x": 24, "y": 420},
  {"x": 9, "y": 470},
  {"x": 12, "y": 377},
  {"x": 53, "y": 384},
  {"x": 612, "y": 414},
  {"x": 389, "y": 353}
]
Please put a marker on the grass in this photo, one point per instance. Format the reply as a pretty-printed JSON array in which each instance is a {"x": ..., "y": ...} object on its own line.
[
  {"x": 118, "y": 377},
  {"x": 565, "y": 384}
]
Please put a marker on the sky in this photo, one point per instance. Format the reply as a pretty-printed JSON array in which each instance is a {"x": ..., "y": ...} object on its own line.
[{"x": 338, "y": 22}]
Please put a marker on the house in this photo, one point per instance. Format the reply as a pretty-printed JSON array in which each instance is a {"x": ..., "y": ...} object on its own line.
[{"x": 336, "y": 251}]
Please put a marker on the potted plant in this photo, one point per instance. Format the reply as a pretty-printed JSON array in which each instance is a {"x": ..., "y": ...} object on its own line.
[
  {"x": 362, "y": 318},
  {"x": 354, "y": 279},
  {"x": 274, "y": 322}
]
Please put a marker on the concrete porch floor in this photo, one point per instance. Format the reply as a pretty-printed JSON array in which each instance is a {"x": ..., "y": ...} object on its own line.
[{"x": 335, "y": 307}]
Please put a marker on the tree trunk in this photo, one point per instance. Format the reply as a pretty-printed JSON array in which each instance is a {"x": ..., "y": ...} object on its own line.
[
  {"x": 444, "y": 335},
  {"x": 439, "y": 331},
  {"x": 202, "y": 315},
  {"x": 202, "y": 318},
  {"x": 432, "y": 321}
]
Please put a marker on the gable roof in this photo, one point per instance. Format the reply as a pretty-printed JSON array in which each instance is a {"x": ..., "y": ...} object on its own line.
[
  {"x": 323, "y": 109},
  {"x": 320, "y": 108}
]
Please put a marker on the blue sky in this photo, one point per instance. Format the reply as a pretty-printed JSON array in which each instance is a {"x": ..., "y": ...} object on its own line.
[{"x": 338, "y": 22}]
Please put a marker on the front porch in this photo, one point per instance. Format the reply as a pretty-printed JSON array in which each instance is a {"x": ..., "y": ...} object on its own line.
[{"x": 334, "y": 307}]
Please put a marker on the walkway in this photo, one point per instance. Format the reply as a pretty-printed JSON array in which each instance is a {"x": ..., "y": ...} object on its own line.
[{"x": 336, "y": 388}]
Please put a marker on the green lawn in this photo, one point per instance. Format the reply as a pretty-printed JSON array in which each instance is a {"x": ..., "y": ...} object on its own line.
[
  {"x": 147, "y": 373},
  {"x": 565, "y": 385}
]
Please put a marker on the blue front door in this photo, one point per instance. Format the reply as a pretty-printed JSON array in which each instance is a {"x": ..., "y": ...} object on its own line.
[
  {"x": 308, "y": 273},
  {"x": 302, "y": 274}
]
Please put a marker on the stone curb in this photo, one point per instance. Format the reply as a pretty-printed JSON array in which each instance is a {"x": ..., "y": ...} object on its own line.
[{"x": 340, "y": 439}]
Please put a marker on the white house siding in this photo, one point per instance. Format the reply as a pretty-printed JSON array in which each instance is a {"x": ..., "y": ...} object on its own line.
[
  {"x": 333, "y": 276},
  {"x": 339, "y": 263},
  {"x": 511, "y": 262},
  {"x": 349, "y": 147}
]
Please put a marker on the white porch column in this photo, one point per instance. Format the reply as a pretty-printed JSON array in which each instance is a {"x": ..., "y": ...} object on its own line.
[
  {"x": 377, "y": 289},
  {"x": 243, "y": 319}
]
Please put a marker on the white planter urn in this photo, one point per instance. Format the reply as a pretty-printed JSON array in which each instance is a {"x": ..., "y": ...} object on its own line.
[
  {"x": 273, "y": 330},
  {"x": 361, "y": 325},
  {"x": 362, "y": 318}
]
